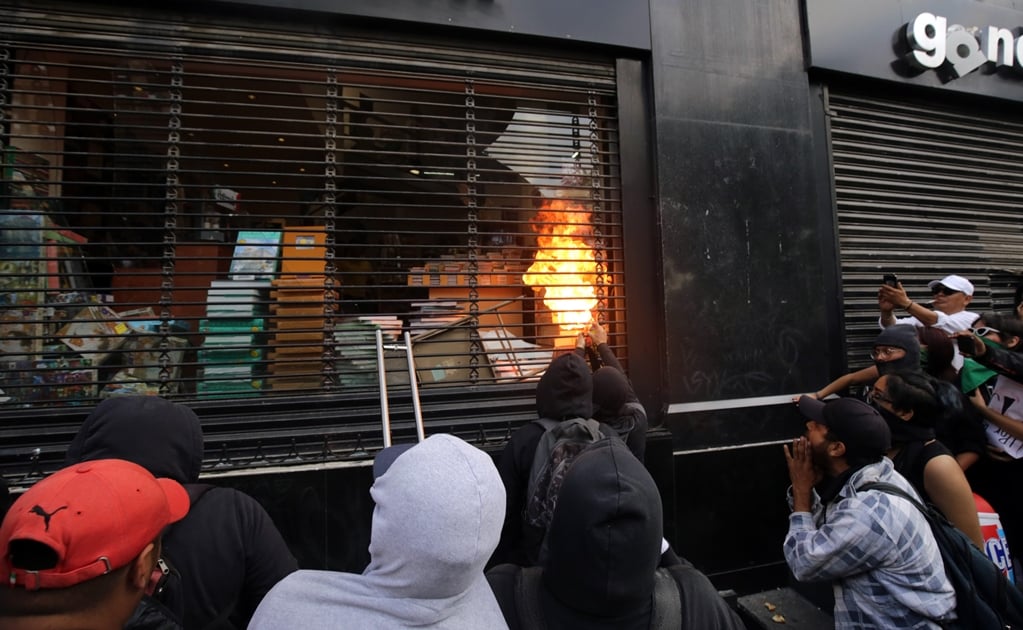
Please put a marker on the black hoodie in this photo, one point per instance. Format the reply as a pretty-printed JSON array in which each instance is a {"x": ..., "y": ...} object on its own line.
[
  {"x": 602, "y": 551},
  {"x": 565, "y": 391},
  {"x": 227, "y": 549}
]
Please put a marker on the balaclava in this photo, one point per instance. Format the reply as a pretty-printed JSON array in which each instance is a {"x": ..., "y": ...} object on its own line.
[{"x": 900, "y": 336}]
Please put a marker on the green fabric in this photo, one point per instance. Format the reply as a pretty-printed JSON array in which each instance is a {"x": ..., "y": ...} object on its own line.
[{"x": 973, "y": 374}]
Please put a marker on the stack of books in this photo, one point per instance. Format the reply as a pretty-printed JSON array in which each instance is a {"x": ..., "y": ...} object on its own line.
[
  {"x": 356, "y": 354},
  {"x": 432, "y": 316},
  {"x": 232, "y": 351},
  {"x": 296, "y": 355}
]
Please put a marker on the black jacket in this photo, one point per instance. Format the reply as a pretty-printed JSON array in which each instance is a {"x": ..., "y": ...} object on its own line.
[
  {"x": 564, "y": 391},
  {"x": 227, "y": 550},
  {"x": 615, "y": 402},
  {"x": 1003, "y": 361}
]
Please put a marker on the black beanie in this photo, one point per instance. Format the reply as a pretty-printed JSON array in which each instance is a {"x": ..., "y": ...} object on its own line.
[{"x": 900, "y": 336}]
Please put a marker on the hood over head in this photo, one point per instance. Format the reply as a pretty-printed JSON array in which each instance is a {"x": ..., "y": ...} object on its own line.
[
  {"x": 438, "y": 517},
  {"x": 604, "y": 541},
  {"x": 611, "y": 390},
  {"x": 566, "y": 389},
  {"x": 899, "y": 336},
  {"x": 163, "y": 437},
  {"x": 439, "y": 511}
]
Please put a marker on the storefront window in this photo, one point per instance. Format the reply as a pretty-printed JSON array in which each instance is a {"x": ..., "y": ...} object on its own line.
[{"x": 206, "y": 228}]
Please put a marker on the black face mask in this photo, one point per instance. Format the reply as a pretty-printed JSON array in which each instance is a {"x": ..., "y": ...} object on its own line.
[
  {"x": 908, "y": 363},
  {"x": 904, "y": 432}
]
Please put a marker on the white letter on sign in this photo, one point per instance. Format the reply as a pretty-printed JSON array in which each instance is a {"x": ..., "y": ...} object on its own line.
[
  {"x": 994, "y": 39},
  {"x": 963, "y": 51},
  {"x": 926, "y": 36}
]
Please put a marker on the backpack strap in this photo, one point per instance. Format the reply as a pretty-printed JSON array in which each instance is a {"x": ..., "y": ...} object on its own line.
[
  {"x": 890, "y": 488},
  {"x": 666, "y": 612},
  {"x": 527, "y": 598}
]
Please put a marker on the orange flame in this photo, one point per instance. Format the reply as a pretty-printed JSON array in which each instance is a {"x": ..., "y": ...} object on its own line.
[{"x": 564, "y": 267}]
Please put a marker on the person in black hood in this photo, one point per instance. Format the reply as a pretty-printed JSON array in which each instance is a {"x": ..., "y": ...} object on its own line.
[
  {"x": 564, "y": 392},
  {"x": 895, "y": 348},
  {"x": 614, "y": 401},
  {"x": 599, "y": 568},
  {"x": 227, "y": 549}
]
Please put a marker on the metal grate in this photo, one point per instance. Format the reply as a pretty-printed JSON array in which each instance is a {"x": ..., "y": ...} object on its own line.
[
  {"x": 228, "y": 212},
  {"x": 923, "y": 191}
]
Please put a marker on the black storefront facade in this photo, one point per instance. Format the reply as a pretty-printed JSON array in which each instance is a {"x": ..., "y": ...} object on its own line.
[{"x": 743, "y": 173}]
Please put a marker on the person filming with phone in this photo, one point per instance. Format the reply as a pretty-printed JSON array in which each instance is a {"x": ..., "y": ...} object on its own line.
[{"x": 950, "y": 297}]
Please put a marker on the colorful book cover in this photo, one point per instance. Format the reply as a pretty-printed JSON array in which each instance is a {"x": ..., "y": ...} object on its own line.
[{"x": 255, "y": 255}]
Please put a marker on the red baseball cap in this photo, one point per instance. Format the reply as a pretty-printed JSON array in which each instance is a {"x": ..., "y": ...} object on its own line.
[{"x": 96, "y": 516}]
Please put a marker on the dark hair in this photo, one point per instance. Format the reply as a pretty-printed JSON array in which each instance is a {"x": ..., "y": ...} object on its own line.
[
  {"x": 940, "y": 352},
  {"x": 916, "y": 392},
  {"x": 1011, "y": 326}
]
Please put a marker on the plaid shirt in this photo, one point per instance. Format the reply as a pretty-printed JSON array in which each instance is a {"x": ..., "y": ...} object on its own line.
[{"x": 879, "y": 551}]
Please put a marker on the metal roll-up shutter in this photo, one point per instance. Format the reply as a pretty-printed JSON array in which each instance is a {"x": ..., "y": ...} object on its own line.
[
  {"x": 923, "y": 189},
  {"x": 224, "y": 209}
]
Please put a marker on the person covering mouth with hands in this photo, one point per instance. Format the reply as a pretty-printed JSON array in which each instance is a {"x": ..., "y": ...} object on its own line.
[{"x": 876, "y": 549}]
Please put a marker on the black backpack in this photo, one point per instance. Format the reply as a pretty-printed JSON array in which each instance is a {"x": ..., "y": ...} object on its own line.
[
  {"x": 683, "y": 598},
  {"x": 558, "y": 446},
  {"x": 667, "y": 602},
  {"x": 162, "y": 608},
  {"x": 984, "y": 596}
]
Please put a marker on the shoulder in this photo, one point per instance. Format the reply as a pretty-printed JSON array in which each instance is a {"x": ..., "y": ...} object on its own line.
[{"x": 503, "y": 580}]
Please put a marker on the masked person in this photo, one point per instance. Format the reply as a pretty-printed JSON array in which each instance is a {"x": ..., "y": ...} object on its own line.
[
  {"x": 614, "y": 401},
  {"x": 600, "y": 568},
  {"x": 895, "y": 348},
  {"x": 909, "y": 403},
  {"x": 898, "y": 349}
]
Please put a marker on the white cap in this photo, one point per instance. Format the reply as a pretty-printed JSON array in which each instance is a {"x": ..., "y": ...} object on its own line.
[{"x": 957, "y": 283}]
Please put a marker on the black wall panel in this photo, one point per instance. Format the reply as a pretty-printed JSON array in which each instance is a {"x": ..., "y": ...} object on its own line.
[{"x": 748, "y": 247}]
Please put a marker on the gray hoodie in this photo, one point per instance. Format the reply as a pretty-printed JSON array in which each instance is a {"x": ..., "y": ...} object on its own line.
[{"x": 439, "y": 510}]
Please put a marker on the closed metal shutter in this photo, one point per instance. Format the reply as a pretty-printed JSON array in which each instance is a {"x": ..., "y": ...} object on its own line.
[
  {"x": 923, "y": 189},
  {"x": 229, "y": 209}
]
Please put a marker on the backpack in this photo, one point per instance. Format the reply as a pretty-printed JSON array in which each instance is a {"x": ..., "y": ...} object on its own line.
[
  {"x": 162, "y": 607},
  {"x": 557, "y": 448},
  {"x": 665, "y": 614},
  {"x": 984, "y": 597}
]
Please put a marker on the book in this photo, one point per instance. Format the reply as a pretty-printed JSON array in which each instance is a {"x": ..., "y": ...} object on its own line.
[
  {"x": 94, "y": 333},
  {"x": 255, "y": 255},
  {"x": 304, "y": 253}
]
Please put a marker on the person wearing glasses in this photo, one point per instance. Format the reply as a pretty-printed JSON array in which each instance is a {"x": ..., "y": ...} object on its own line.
[
  {"x": 895, "y": 348},
  {"x": 994, "y": 386},
  {"x": 910, "y": 404},
  {"x": 898, "y": 348},
  {"x": 951, "y": 295}
]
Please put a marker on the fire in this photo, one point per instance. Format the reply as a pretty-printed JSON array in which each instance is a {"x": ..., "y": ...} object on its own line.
[{"x": 564, "y": 267}]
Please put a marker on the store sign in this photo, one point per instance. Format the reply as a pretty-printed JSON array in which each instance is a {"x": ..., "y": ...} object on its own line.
[{"x": 936, "y": 45}]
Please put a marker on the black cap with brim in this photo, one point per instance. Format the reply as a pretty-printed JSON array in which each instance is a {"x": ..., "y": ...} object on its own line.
[{"x": 853, "y": 422}]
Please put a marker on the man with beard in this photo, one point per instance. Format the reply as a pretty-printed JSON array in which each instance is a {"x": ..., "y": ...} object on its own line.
[{"x": 876, "y": 549}]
